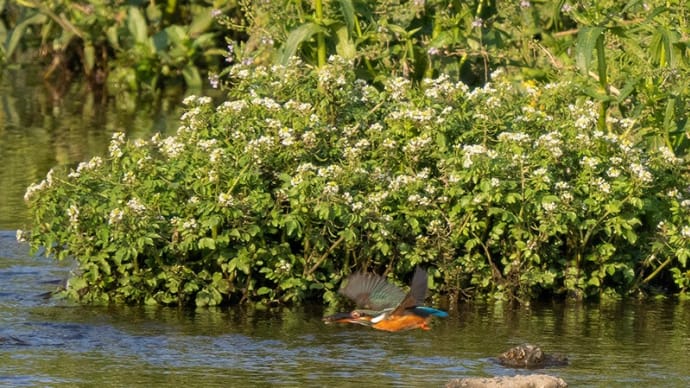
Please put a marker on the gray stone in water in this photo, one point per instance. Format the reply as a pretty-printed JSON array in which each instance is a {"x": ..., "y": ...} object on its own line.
[{"x": 520, "y": 381}]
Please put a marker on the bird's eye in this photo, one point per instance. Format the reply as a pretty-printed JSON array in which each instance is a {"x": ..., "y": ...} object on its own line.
[{"x": 355, "y": 314}]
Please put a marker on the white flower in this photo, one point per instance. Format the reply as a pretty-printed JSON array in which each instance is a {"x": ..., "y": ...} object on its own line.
[
  {"x": 331, "y": 188},
  {"x": 669, "y": 156},
  {"x": 604, "y": 186},
  {"x": 417, "y": 144},
  {"x": 190, "y": 224},
  {"x": 435, "y": 227},
  {"x": 207, "y": 144},
  {"x": 232, "y": 106},
  {"x": 216, "y": 155},
  {"x": 397, "y": 87},
  {"x": 115, "y": 151},
  {"x": 136, "y": 206},
  {"x": 212, "y": 176},
  {"x": 583, "y": 122},
  {"x": 551, "y": 141},
  {"x": 129, "y": 178},
  {"x": 73, "y": 213},
  {"x": 225, "y": 199},
  {"x": 470, "y": 151},
  {"x": 641, "y": 172},
  {"x": 171, "y": 147},
  {"x": 517, "y": 137},
  {"x": 266, "y": 102},
  {"x": 590, "y": 162},
  {"x": 424, "y": 174},
  {"x": 194, "y": 100},
  {"x": 419, "y": 200},
  {"x": 560, "y": 185},
  {"x": 613, "y": 172},
  {"x": 549, "y": 206},
  {"x": 115, "y": 216},
  {"x": 685, "y": 231},
  {"x": 33, "y": 189},
  {"x": 21, "y": 235},
  {"x": 189, "y": 100},
  {"x": 389, "y": 144},
  {"x": 377, "y": 198}
]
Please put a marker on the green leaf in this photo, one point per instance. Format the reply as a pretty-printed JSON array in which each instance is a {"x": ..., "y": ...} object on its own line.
[
  {"x": 17, "y": 33},
  {"x": 207, "y": 243},
  {"x": 296, "y": 38},
  {"x": 136, "y": 23},
  {"x": 587, "y": 40},
  {"x": 660, "y": 48},
  {"x": 191, "y": 76},
  {"x": 201, "y": 22},
  {"x": 344, "y": 45},
  {"x": 111, "y": 33},
  {"x": 263, "y": 291},
  {"x": 161, "y": 41},
  {"x": 348, "y": 11}
]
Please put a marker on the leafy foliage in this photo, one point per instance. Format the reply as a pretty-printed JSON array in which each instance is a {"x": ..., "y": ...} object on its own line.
[
  {"x": 305, "y": 173},
  {"x": 133, "y": 45}
]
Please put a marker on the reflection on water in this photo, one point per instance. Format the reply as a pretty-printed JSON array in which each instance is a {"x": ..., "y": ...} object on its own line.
[
  {"x": 39, "y": 131},
  {"x": 51, "y": 343}
]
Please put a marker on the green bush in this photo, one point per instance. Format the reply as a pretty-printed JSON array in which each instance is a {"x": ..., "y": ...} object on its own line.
[
  {"x": 135, "y": 45},
  {"x": 304, "y": 174}
]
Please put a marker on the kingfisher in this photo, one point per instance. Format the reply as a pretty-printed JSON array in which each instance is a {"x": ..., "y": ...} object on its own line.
[{"x": 384, "y": 306}]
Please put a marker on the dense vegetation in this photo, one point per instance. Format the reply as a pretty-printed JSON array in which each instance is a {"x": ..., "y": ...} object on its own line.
[{"x": 520, "y": 150}]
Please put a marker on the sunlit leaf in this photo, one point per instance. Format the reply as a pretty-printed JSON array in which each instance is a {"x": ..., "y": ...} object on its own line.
[
  {"x": 298, "y": 36},
  {"x": 587, "y": 40},
  {"x": 347, "y": 9},
  {"x": 136, "y": 23}
]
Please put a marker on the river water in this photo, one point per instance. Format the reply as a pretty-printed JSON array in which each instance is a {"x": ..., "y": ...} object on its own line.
[{"x": 49, "y": 342}]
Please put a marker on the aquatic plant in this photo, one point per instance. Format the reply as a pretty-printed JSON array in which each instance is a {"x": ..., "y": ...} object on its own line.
[{"x": 510, "y": 191}]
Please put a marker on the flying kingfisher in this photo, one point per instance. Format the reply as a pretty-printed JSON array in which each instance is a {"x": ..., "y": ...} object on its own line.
[{"x": 384, "y": 306}]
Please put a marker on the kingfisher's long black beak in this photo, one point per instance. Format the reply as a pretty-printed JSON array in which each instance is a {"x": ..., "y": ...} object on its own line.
[
  {"x": 349, "y": 317},
  {"x": 345, "y": 317}
]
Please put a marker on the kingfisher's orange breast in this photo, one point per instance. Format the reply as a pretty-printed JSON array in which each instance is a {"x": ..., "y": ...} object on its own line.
[{"x": 403, "y": 322}]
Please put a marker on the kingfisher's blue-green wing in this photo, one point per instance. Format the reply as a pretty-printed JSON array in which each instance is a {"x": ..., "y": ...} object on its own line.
[{"x": 370, "y": 291}]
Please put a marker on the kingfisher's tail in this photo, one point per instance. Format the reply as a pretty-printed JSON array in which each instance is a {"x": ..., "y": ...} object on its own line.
[{"x": 427, "y": 311}]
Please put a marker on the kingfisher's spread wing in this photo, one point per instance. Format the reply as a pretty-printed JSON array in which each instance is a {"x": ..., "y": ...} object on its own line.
[
  {"x": 370, "y": 291},
  {"x": 417, "y": 293},
  {"x": 418, "y": 287}
]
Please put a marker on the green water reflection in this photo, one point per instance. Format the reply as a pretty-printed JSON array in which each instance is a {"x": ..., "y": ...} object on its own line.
[{"x": 41, "y": 128}]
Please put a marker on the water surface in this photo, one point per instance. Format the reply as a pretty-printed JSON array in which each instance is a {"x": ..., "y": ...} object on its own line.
[
  {"x": 41, "y": 127},
  {"x": 48, "y": 342}
]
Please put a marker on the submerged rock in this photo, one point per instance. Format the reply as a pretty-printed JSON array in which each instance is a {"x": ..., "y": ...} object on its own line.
[
  {"x": 12, "y": 340},
  {"x": 527, "y": 381},
  {"x": 530, "y": 356}
]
